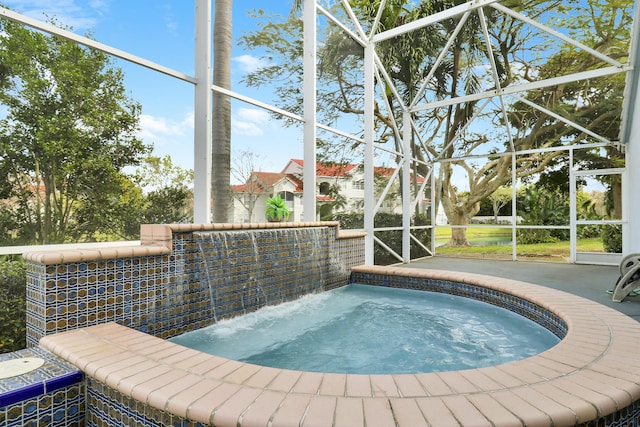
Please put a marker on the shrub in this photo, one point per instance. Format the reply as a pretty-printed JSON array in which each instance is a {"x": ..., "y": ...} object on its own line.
[
  {"x": 612, "y": 238},
  {"x": 276, "y": 209},
  {"x": 13, "y": 306},
  {"x": 391, "y": 238},
  {"x": 529, "y": 236}
]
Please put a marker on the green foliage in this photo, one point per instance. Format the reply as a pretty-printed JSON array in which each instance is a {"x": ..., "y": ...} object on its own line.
[
  {"x": 595, "y": 104},
  {"x": 612, "y": 238},
  {"x": 392, "y": 238},
  {"x": 541, "y": 206},
  {"x": 167, "y": 196},
  {"x": 529, "y": 236},
  {"x": 13, "y": 310},
  {"x": 276, "y": 209},
  {"x": 68, "y": 132}
]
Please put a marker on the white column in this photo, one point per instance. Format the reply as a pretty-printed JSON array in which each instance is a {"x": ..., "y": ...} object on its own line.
[
  {"x": 202, "y": 114},
  {"x": 630, "y": 135},
  {"x": 573, "y": 211},
  {"x": 369, "y": 134},
  {"x": 514, "y": 211},
  {"x": 630, "y": 184},
  {"x": 309, "y": 132},
  {"x": 406, "y": 188}
]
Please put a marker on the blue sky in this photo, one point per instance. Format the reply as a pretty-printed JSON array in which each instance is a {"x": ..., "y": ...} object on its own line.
[{"x": 162, "y": 31}]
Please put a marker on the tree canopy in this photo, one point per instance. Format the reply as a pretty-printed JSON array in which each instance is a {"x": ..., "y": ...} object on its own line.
[
  {"x": 452, "y": 67},
  {"x": 68, "y": 130}
]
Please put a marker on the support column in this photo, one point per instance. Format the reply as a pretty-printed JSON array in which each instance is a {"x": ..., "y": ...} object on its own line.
[
  {"x": 369, "y": 135},
  {"x": 202, "y": 114},
  {"x": 406, "y": 188},
  {"x": 630, "y": 182},
  {"x": 630, "y": 135},
  {"x": 310, "y": 101},
  {"x": 573, "y": 211}
]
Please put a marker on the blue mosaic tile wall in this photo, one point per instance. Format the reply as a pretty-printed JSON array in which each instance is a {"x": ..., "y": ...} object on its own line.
[
  {"x": 109, "y": 408},
  {"x": 625, "y": 417},
  {"x": 525, "y": 308},
  {"x": 164, "y": 296},
  {"x": 68, "y": 296},
  {"x": 51, "y": 395},
  {"x": 169, "y": 294}
]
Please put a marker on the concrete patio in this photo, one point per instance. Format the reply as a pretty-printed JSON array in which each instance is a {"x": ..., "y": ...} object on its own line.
[{"x": 587, "y": 281}]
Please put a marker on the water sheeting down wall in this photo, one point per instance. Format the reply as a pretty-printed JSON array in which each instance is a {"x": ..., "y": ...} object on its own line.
[
  {"x": 202, "y": 276},
  {"x": 246, "y": 271}
]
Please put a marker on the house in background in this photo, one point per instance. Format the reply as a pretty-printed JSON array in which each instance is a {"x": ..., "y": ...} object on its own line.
[{"x": 339, "y": 188}]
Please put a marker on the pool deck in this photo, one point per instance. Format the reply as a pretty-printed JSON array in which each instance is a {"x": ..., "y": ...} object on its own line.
[
  {"x": 587, "y": 281},
  {"x": 594, "y": 371}
]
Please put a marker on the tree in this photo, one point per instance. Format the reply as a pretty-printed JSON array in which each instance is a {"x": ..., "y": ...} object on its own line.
[
  {"x": 336, "y": 201},
  {"x": 167, "y": 191},
  {"x": 157, "y": 192},
  {"x": 68, "y": 132},
  {"x": 499, "y": 199},
  {"x": 468, "y": 67},
  {"x": 221, "y": 132},
  {"x": 242, "y": 170}
]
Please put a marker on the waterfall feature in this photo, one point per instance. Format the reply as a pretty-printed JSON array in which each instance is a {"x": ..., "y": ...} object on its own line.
[
  {"x": 204, "y": 267},
  {"x": 248, "y": 269}
]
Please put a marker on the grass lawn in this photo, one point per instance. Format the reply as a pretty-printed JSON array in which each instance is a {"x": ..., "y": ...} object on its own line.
[
  {"x": 484, "y": 248},
  {"x": 445, "y": 233}
]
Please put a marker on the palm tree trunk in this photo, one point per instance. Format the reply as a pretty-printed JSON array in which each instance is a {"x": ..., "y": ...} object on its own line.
[{"x": 221, "y": 110}]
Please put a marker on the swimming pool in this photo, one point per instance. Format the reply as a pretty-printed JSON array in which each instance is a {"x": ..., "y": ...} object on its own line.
[
  {"x": 590, "y": 378},
  {"x": 360, "y": 329}
]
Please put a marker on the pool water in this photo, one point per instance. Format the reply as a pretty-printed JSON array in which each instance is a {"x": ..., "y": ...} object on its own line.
[{"x": 360, "y": 329}]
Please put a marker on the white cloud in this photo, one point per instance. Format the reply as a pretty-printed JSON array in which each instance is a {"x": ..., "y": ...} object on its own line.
[
  {"x": 246, "y": 128},
  {"x": 249, "y": 122},
  {"x": 159, "y": 130},
  {"x": 66, "y": 12},
  {"x": 249, "y": 63},
  {"x": 253, "y": 115}
]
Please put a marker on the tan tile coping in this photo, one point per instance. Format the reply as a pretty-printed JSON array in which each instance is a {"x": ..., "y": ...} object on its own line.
[
  {"x": 594, "y": 371},
  {"x": 156, "y": 239}
]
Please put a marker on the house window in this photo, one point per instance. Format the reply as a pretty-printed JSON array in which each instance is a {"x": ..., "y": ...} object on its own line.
[
  {"x": 325, "y": 187},
  {"x": 357, "y": 185},
  {"x": 286, "y": 195}
]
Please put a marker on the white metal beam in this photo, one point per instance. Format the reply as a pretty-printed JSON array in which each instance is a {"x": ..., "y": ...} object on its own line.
[
  {"x": 343, "y": 27},
  {"x": 406, "y": 188},
  {"x": 523, "y": 87},
  {"x": 431, "y": 19},
  {"x": 369, "y": 129},
  {"x": 376, "y": 22},
  {"x": 51, "y": 29},
  {"x": 202, "y": 114},
  {"x": 354, "y": 19},
  {"x": 310, "y": 117},
  {"x": 631, "y": 201},
  {"x": 631, "y": 87},
  {"x": 440, "y": 58},
  {"x": 557, "y": 34},
  {"x": 496, "y": 76},
  {"x": 562, "y": 119}
]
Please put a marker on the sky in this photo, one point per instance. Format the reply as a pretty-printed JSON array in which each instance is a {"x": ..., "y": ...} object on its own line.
[{"x": 162, "y": 31}]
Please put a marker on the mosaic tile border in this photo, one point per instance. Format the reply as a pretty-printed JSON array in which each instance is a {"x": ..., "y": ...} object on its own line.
[
  {"x": 54, "y": 374},
  {"x": 163, "y": 294},
  {"x": 52, "y": 395},
  {"x": 513, "y": 303},
  {"x": 108, "y": 407}
]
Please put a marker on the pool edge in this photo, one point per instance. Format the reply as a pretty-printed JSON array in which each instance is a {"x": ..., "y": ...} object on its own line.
[{"x": 590, "y": 374}]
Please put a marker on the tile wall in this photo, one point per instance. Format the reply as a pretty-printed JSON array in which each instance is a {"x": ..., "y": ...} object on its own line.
[
  {"x": 168, "y": 294},
  {"x": 161, "y": 288},
  {"x": 51, "y": 395}
]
